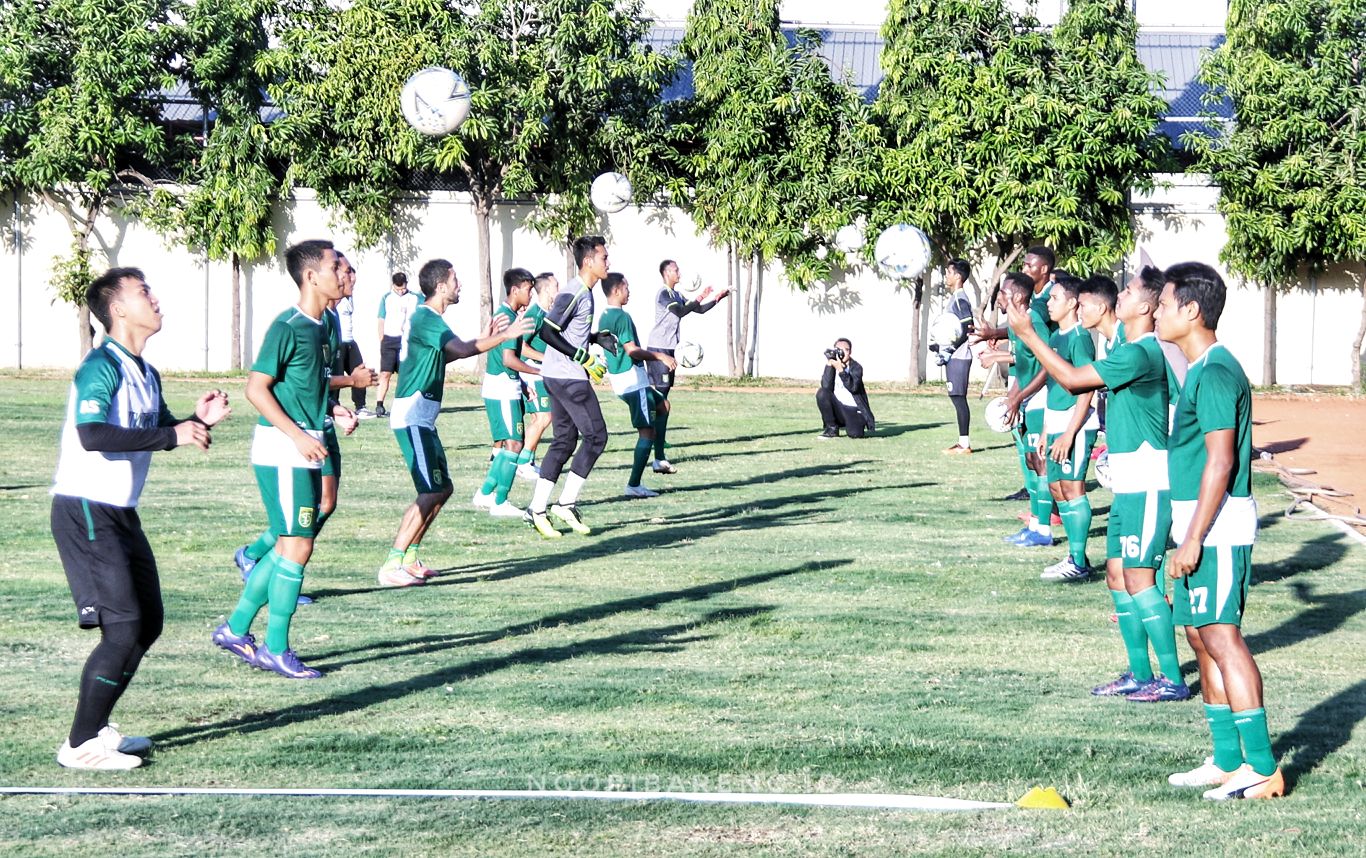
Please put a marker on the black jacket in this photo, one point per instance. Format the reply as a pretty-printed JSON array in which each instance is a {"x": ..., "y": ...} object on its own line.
[{"x": 852, "y": 377}]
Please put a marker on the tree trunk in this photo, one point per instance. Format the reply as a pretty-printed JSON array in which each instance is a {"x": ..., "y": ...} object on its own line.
[
  {"x": 742, "y": 352},
  {"x": 236, "y": 311},
  {"x": 756, "y": 281},
  {"x": 917, "y": 368},
  {"x": 1003, "y": 264},
  {"x": 1356, "y": 344},
  {"x": 1269, "y": 336},
  {"x": 87, "y": 332},
  {"x": 483, "y": 210},
  {"x": 732, "y": 312}
]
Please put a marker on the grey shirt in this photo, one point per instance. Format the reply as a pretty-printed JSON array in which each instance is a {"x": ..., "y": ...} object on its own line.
[
  {"x": 573, "y": 308},
  {"x": 670, "y": 307}
]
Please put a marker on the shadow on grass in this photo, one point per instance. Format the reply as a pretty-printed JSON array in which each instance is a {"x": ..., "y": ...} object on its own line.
[
  {"x": 1321, "y": 731},
  {"x": 892, "y": 430},
  {"x": 669, "y": 638},
  {"x": 574, "y": 616},
  {"x": 740, "y": 439},
  {"x": 1326, "y": 614},
  {"x": 1317, "y": 553}
]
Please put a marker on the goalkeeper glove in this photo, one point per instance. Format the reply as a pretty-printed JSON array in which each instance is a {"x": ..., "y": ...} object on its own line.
[
  {"x": 608, "y": 341},
  {"x": 596, "y": 369}
]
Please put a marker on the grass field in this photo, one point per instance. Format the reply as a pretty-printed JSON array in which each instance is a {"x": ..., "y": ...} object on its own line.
[{"x": 791, "y": 615}]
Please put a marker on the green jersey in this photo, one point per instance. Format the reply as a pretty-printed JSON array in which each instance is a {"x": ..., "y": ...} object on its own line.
[
  {"x": 422, "y": 374},
  {"x": 1136, "y": 415},
  {"x": 499, "y": 381},
  {"x": 1077, "y": 348},
  {"x": 1026, "y": 364},
  {"x": 1215, "y": 396},
  {"x": 297, "y": 353},
  {"x": 626, "y": 375},
  {"x": 536, "y": 315},
  {"x": 1039, "y": 304}
]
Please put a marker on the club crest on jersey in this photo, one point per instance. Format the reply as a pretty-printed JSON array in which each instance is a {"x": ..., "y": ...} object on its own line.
[{"x": 306, "y": 516}]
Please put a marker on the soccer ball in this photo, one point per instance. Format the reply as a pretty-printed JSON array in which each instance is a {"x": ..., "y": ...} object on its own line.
[
  {"x": 692, "y": 287},
  {"x": 945, "y": 330},
  {"x": 903, "y": 251},
  {"x": 1103, "y": 469},
  {"x": 995, "y": 416},
  {"x": 689, "y": 354},
  {"x": 611, "y": 192},
  {"x": 435, "y": 101},
  {"x": 849, "y": 239}
]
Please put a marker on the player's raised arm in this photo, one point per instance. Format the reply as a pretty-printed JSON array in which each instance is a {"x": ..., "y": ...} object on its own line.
[{"x": 1076, "y": 379}]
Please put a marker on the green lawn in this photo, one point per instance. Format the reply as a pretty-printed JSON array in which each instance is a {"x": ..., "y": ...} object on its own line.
[{"x": 791, "y": 615}]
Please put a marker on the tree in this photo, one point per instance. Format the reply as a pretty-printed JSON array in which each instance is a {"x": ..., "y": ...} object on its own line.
[
  {"x": 226, "y": 210},
  {"x": 1292, "y": 188},
  {"x": 79, "y": 79},
  {"x": 1001, "y": 134},
  {"x": 553, "y": 86},
  {"x": 767, "y": 148}
]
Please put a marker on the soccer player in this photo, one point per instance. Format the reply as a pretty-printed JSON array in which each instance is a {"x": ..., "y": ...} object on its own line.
[
  {"x": 115, "y": 419},
  {"x": 1135, "y": 373},
  {"x": 1026, "y": 395},
  {"x": 574, "y": 409},
  {"x": 357, "y": 378},
  {"x": 1214, "y": 524},
  {"x": 670, "y": 308},
  {"x": 503, "y": 403},
  {"x": 537, "y": 400},
  {"x": 959, "y": 366},
  {"x": 396, "y": 310},
  {"x": 1070, "y": 426},
  {"x": 350, "y": 359},
  {"x": 417, "y": 402},
  {"x": 288, "y": 385},
  {"x": 626, "y": 370}
]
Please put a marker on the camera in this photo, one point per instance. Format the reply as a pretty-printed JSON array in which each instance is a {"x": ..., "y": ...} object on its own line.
[{"x": 834, "y": 354}]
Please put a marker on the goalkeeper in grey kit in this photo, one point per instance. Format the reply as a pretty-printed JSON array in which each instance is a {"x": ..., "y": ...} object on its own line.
[{"x": 575, "y": 414}]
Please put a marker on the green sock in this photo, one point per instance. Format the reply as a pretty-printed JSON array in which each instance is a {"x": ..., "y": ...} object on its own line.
[
  {"x": 409, "y": 555},
  {"x": 1041, "y": 503},
  {"x": 642, "y": 458},
  {"x": 1156, "y": 615},
  {"x": 261, "y": 547},
  {"x": 1252, "y": 729},
  {"x": 1076, "y": 523},
  {"x": 254, "y": 595},
  {"x": 284, "y": 599},
  {"x": 524, "y": 457},
  {"x": 1228, "y": 754},
  {"x": 1134, "y": 637},
  {"x": 505, "y": 467},
  {"x": 661, "y": 426},
  {"x": 394, "y": 560},
  {"x": 491, "y": 480}
]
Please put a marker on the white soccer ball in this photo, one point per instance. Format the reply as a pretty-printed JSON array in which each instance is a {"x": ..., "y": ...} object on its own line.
[
  {"x": 611, "y": 192},
  {"x": 945, "y": 330},
  {"x": 1103, "y": 469},
  {"x": 689, "y": 354},
  {"x": 903, "y": 251},
  {"x": 995, "y": 416},
  {"x": 435, "y": 101},
  {"x": 849, "y": 239}
]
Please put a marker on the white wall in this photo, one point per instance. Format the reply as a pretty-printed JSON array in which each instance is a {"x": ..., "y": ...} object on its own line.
[{"x": 1178, "y": 224}]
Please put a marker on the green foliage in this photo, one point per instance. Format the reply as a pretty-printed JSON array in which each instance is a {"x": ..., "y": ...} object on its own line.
[
  {"x": 770, "y": 143},
  {"x": 72, "y": 275},
  {"x": 78, "y": 80},
  {"x": 542, "y": 72},
  {"x": 227, "y": 208},
  {"x": 1289, "y": 169},
  {"x": 1000, "y": 133}
]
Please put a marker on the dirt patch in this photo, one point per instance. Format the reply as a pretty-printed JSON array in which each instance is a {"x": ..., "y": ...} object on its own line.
[{"x": 1324, "y": 433}]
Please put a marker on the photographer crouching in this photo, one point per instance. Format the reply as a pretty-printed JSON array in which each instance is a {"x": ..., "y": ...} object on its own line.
[{"x": 842, "y": 399}]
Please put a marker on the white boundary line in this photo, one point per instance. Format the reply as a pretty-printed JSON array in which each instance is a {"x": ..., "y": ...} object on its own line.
[{"x": 889, "y": 801}]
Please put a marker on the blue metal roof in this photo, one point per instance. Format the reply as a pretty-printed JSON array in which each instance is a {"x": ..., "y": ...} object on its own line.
[{"x": 855, "y": 55}]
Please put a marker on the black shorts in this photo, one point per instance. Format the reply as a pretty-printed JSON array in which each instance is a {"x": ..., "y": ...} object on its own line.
[
  {"x": 389, "y": 349},
  {"x": 958, "y": 372},
  {"x": 108, "y": 561},
  {"x": 661, "y": 377}
]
